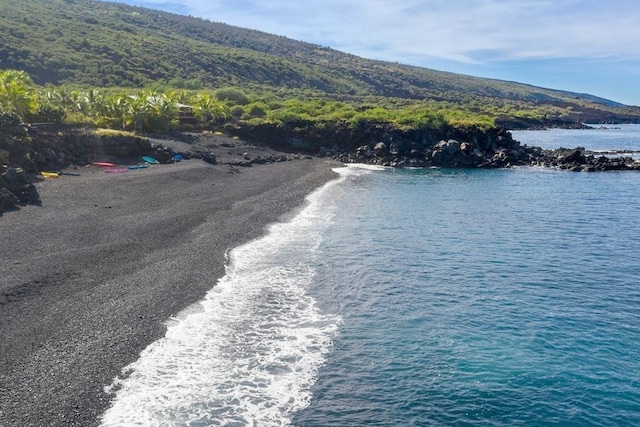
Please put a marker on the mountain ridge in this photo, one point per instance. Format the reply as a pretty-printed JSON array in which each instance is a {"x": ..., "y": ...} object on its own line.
[{"x": 97, "y": 43}]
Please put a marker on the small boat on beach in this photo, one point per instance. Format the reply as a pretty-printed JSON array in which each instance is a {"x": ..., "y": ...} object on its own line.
[
  {"x": 104, "y": 164},
  {"x": 150, "y": 160},
  {"x": 133, "y": 167}
]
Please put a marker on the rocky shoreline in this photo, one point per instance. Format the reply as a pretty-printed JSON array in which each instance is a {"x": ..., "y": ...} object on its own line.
[
  {"x": 472, "y": 147},
  {"x": 455, "y": 154},
  {"x": 69, "y": 149}
]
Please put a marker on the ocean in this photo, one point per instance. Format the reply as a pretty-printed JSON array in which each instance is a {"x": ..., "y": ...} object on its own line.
[{"x": 418, "y": 297}]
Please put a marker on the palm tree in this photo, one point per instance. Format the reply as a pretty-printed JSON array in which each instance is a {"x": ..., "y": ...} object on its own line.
[
  {"x": 206, "y": 109},
  {"x": 114, "y": 111},
  {"x": 91, "y": 102},
  {"x": 17, "y": 93},
  {"x": 164, "y": 113}
]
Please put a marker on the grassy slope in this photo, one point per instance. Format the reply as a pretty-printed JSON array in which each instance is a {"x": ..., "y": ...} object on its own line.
[{"x": 93, "y": 43}]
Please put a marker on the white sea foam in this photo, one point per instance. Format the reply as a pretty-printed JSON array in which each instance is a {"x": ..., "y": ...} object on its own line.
[
  {"x": 248, "y": 353},
  {"x": 367, "y": 167}
]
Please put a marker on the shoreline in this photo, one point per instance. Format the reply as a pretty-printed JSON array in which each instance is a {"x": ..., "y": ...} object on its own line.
[
  {"x": 92, "y": 275},
  {"x": 54, "y": 153}
]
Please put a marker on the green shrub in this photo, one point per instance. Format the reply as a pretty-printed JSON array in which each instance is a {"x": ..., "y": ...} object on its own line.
[
  {"x": 237, "y": 111},
  {"x": 232, "y": 96},
  {"x": 257, "y": 109}
]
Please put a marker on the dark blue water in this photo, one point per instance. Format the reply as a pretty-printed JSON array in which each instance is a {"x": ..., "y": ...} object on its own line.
[{"x": 417, "y": 297}]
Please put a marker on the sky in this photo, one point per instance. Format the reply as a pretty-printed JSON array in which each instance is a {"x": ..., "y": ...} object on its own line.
[{"x": 585, "y": 46}]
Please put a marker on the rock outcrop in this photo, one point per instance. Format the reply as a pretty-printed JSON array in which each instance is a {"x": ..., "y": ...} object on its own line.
[
  {"x": 581, "y": 160},
  {"x": 16, "y": 187},
  {"x": 474, "y": 149}
]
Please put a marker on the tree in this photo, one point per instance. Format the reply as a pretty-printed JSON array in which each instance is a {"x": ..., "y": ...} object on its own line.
[
  {"x": 206, "y": 109},
  {"x": 161, "y": 113},
  {"x": 114, "y": 111},
  {"x": 17, "y": 93}
]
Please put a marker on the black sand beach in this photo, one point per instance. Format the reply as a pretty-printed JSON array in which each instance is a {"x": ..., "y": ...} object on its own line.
[{"x": 89, "y": 278}]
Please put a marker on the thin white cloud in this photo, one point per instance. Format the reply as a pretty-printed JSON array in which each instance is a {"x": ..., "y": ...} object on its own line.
[
  {"x": 471, "y": 31},
  {"x": 581, "y": 45}
]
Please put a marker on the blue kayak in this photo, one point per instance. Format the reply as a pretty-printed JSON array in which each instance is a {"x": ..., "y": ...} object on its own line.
[{"x": 150, "y": 160}]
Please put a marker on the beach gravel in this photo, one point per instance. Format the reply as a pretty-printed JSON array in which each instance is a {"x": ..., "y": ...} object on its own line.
[{"x": 90, "y": 277}]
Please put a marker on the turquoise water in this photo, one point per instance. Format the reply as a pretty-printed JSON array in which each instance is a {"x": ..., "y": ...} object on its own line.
[
  {"x": 495, "y": 297},
  {"x": 416, "y": 297}
]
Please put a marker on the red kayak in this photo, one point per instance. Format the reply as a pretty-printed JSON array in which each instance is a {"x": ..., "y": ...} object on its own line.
[{"x": 104, "y": 164}]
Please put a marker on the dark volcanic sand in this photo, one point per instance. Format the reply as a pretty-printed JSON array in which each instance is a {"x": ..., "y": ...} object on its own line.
[{"x": 89, "y": 278}]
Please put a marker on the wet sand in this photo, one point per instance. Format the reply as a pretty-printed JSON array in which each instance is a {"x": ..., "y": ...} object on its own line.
[{"x": 89, "y": 278}]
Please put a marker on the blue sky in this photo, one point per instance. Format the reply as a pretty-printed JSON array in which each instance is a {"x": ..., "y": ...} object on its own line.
[{"x": 578, "y": 45}]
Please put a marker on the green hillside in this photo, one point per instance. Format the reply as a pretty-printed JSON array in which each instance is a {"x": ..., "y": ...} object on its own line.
[{"x": 96, "y": 44}]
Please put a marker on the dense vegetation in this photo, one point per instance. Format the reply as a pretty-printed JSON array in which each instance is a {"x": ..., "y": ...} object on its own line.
[
  {"x": 155, "y": 111},
  {"x": 80, "y": 46}
]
